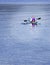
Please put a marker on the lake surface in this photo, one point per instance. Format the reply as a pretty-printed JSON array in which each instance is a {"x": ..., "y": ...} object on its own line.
[{"x": 23, "y": 44}]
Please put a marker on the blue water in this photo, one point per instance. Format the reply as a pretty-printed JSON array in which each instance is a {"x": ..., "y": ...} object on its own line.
[{"x": 23, "y": 44}]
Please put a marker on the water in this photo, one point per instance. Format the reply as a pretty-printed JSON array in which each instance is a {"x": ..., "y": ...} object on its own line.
[{"x": 24, "y": 44}]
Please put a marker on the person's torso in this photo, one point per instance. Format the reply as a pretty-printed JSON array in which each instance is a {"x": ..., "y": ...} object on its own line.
[{"x": 33, "y": 19}]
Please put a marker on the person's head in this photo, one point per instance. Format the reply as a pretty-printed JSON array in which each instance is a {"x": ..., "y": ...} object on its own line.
[{"x": 33, "y": 17}]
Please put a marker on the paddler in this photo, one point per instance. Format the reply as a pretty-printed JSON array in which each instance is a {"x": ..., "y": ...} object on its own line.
[{"x": 33, "y": 20}]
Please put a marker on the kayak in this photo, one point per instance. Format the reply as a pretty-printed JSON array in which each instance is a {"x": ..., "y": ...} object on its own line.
[
  {"x": 25, "y": 22},
  {"x": 35, "y": 23}
]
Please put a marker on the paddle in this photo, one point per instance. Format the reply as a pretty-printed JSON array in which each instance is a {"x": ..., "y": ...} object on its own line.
[
  {"x": 39, "y": 18},
  {"x": 25, "y": 20}
]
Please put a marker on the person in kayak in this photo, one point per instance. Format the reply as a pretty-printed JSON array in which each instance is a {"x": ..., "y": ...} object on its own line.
[{"x": 33, "y": 20}]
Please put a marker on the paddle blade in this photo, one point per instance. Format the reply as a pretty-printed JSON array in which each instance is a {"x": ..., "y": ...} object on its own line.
[{"x": 39, "y": 18}]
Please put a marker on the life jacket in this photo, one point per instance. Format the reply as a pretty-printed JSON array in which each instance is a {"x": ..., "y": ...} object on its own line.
[{"x": 33, "y": 19}]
